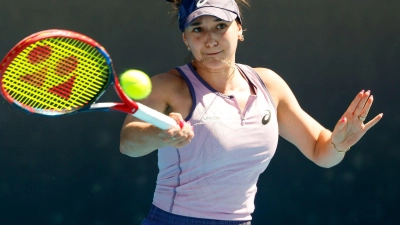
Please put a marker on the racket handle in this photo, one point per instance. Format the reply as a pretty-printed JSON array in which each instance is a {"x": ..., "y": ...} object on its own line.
[{"x": 154, "y": 117}]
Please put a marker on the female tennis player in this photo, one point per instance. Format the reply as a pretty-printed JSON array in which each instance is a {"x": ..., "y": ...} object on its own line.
[{"x": 233, "y": 114}]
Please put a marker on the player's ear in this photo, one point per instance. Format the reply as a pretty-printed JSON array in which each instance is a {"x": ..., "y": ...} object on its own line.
[
  {"x": 240, "y": 29},
  {"x": 184, "y": 39}
]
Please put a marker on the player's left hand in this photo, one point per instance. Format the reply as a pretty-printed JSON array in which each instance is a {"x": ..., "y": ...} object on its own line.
[
  {"x": 351, "y": 126},
  {"x": 178, "y": 136}
]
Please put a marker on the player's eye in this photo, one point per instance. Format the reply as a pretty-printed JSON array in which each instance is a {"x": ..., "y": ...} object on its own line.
[
  {"x": 197, "y": 29},
  {"x": 221, "y": 26}
]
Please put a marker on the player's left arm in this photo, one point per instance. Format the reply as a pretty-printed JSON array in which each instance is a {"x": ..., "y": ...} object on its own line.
[{"x": 309, "y": 136}]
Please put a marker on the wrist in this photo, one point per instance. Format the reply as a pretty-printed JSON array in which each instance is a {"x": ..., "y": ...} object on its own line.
[{"x": 337, "y": 149}]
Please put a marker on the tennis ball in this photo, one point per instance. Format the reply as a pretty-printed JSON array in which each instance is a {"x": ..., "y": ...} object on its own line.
[{"x": 136, "y": 84}]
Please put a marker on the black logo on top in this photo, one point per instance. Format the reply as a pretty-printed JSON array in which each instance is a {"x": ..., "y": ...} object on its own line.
[{"x": 265, "y": 120}]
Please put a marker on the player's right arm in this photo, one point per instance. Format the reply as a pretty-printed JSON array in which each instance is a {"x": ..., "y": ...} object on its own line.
[{"x": 170, "y": 95}]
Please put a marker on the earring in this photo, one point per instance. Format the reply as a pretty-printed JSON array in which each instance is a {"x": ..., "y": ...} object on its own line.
[
  {"x": 189, "y": 49},
  {"x": 241, "y": 37}
]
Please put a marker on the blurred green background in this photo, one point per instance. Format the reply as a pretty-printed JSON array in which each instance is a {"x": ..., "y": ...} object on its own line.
[{"x": 68, "y": 170}]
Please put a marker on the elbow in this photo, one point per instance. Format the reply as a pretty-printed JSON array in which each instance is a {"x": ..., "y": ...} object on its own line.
[
  {"x": 123, "y": 149},
  {"x": 128, "y": 150},
  {"x": 128, "y": 147},
  {"x": 325, "y": 164}
]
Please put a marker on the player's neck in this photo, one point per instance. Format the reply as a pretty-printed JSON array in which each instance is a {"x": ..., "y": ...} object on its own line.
[{"x": 225, "y": 79}]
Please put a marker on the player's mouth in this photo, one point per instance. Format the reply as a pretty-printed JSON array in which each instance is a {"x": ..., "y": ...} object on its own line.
[{"x": 213, "y": 54}]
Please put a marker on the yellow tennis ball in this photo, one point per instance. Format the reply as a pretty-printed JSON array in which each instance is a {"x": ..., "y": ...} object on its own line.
[{"x": 136, "y": 84}]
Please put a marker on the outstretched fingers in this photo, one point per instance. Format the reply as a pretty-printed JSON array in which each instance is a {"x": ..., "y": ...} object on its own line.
[
  {"x": 354, "y": 104},
  {"x": 362, "y": 103},
  {"x": 364, "y": 113},
  {"x": 351, "y": 127},
  {"x": 360, "y": 108},
  {"x": 374, "y": 121}
]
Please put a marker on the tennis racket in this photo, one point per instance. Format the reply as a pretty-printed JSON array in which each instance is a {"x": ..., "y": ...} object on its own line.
[{"x": 60, "y": 72}]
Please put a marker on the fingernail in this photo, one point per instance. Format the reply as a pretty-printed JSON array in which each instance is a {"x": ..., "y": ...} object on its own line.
[
  {"x": 362, "y": 91},
  {"x": 343, "y": 119},
  {"x": 368, "y": 91},
  {"x": 181, "y": 123}
]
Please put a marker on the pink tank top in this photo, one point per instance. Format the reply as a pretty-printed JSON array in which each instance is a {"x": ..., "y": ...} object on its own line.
[{"x": 215, "y": 176}]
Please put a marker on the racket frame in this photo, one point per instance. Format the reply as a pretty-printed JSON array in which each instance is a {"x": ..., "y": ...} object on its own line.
[{"x": 127, "y": 105}]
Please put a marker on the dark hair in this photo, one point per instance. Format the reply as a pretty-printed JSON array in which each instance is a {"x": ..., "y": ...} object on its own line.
[{"x": 177, "y": 3}]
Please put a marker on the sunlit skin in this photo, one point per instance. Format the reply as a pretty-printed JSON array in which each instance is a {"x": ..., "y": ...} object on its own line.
[
  {"x": 213, "y": 43},
  {"x": 185, "y": 95}
]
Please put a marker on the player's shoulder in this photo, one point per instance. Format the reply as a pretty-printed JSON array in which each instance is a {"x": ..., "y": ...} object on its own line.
[
  {"x": 172, "y": 74},
  {"x": 171, "y": 77},
  {"x": 171, "y": 80},
  {"x": 274, "y": 82},
  {"x": 270, "y": 77},
  {"x": 171, "y": 88},
  {"x": 266, "y": 72}
]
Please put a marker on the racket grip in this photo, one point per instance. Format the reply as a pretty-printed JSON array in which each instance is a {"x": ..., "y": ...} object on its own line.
[{"x": 154, "y": 117}]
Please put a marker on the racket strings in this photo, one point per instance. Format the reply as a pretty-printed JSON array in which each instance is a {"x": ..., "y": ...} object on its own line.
[
  {"x": 29, "y": 96},
  {"x": 56, "y": 74}
]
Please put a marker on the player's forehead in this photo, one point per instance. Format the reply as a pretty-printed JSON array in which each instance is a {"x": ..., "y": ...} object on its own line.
[{"x": 205, "y": 19}]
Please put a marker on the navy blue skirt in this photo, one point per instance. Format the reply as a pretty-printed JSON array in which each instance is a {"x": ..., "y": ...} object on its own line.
[{"x": 160, "y": 217}]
